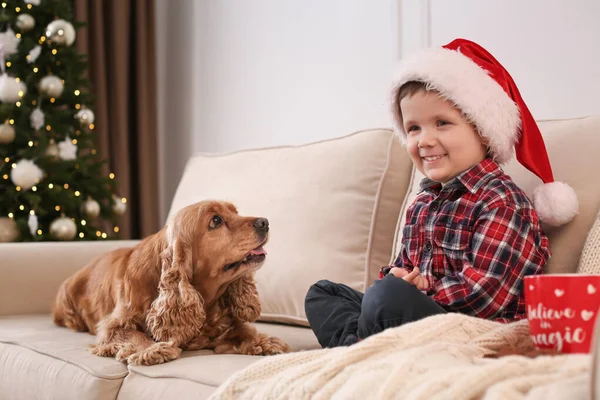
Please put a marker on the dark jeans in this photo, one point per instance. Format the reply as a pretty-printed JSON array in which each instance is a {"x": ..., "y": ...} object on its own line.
[{"x": 340, "y": 315}]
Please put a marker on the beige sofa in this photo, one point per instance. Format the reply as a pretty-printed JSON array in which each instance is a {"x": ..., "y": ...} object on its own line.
[{"x": 335, "y": 209}]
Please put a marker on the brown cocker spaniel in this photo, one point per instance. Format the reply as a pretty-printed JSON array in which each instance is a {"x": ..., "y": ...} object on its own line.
[{"x": 188, "y": 287}]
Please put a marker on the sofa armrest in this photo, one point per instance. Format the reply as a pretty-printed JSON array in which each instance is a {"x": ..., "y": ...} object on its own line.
[{"x": 31, "y": 273}]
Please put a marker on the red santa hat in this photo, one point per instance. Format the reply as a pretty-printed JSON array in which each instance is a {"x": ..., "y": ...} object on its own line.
[{"x": 470, "y": 77}]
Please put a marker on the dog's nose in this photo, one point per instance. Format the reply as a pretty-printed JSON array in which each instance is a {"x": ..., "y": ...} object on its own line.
[{"x": 261, "y": 224}]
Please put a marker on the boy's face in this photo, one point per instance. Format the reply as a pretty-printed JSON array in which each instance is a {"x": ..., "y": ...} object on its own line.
[{"x": 440, "y": 142}]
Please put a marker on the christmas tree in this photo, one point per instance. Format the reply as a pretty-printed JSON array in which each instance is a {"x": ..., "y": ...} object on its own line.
[{"x": 52, "y": 186}]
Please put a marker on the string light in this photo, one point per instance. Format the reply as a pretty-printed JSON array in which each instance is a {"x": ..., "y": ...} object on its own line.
[
  {"x": 42, "y": 39},
  {"x": 104, "y": 235},
  {"x": 35, "y": 70},
  {"x": 21, "y": 93},
  {"x": 39, "y": 231},
  {"x": 7, "y": 159},
  {"x": 17, "y": 9},
  {"x": 81, "y": 235},
  {"x": 54, "y": 51},
  {"x": 50, "y": 186},
  {"x": 77, "y": 193},
  {"x": 30, "y": 143},
  {"x": 74, "y": 141},
  {"x": 5, "y": 176},
  {"x": 116, "y": 229},
  {"x": 98, "y": 233},
  {"x": 77, "y": 92},
  {"x": 29, "y": 6},
  {"x": 83, "y": 222},
  {"x": 8, "y": 64},
  {"x": 3, "y": 5},
  {"x": 34, "y": 188},
  {"x": 14, "y": 165},
  {"x": 18, "y": 188},
  {"x": 57, "y": 208},
  {"x": 34, "y": 102},
  {"x": 10, "y": 215},
  {"x": 18, "y": 35},
  {"x": 31, "y": 212},
  {"x": 52, "y": 100},
  {"x": 92, "y": 126},
  {"x": 18, "y": 104},
  {"x": 11, "y": 121},
  {"x": 77, "y": 106},
  {"x": 17, "y": 79},
  {"x": 22, "y": 207},
  {"x": 111, "y": 175},
  {"x": 124, "y": 200},
  {"x": 94, "y": 153},
  {"x": 66, "y": 185},
  {"x": 48, "y": 128}
]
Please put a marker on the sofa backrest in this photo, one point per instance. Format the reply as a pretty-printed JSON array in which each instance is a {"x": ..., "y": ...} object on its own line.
[
  {"x": 573, "y": 147},
  {"x": 332, "y": 207}
]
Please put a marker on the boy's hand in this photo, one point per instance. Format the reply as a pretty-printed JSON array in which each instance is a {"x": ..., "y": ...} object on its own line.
[{"x": 413, "y": 277}]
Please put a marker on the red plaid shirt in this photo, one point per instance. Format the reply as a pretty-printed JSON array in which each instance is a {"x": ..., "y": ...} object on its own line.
[{"x": 474, "y": 240}]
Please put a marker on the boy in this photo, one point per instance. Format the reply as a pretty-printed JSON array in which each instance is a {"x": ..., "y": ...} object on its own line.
[{"x": 472, "y": 234}]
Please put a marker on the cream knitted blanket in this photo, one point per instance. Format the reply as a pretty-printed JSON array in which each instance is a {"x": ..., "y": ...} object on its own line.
[{"x": 443, "y": 357}]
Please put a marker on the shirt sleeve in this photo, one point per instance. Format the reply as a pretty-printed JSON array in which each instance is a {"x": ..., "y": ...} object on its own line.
[
  {"x": 505, "y": 247},
  {"x": 402, "y": 260}
]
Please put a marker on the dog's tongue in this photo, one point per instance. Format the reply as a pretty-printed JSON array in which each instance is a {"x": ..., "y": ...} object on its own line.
[{"x": 258, "y": 252}]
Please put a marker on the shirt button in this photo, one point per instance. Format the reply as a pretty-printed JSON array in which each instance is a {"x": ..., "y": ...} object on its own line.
[{"x": 428, "y": 247}]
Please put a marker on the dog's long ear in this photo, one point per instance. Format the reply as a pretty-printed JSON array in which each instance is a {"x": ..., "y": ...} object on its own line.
[
  {"x": 242, "y": 298},
  {"x": 177, "y": 314}
]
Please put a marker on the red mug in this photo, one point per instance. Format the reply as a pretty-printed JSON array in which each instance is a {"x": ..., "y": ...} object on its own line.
[{"x": 562, "y": 310}]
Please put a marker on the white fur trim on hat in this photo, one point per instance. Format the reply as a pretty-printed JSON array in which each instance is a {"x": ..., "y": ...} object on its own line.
[
  {"x": 556, "y": 203},
  {"x": 471, "y": 89}
]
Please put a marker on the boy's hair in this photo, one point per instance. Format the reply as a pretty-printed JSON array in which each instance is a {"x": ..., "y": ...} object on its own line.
[{"x": 412, "y": 87}]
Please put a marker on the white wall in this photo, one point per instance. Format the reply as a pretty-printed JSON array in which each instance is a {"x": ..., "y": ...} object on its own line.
[{"x": 236, "y": 74}]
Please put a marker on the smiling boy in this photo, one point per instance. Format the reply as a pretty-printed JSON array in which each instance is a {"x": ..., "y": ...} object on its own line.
[{"x": 471, "y": 235}]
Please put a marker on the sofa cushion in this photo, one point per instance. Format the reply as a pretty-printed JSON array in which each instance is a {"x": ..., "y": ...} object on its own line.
[
  {"x": 332, "y": 208},
  {"x": 198, "y": 373},
  {"x": 572, "y": 146},
  {"x": 39, "y": 360},
  {"x": 589, "y": 263}
]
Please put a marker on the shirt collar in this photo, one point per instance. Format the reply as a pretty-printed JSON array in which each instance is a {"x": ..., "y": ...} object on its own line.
[{"x": 472, "y": 179}]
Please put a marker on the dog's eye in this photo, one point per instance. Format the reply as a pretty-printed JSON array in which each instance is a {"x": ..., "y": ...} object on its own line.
[{"x": 215, "y": 222}]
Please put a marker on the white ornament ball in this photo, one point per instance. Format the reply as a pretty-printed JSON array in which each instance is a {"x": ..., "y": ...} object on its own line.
[
  {"x": 25, "y": 22},
  {"x": 119, "y": 206},
  {"x": 7, "y": 133},
  {"x": 51, "y": 86},
  {"x": 52, "y": 150},
  {"x": 9, "y": 232},
  {"x": 11, "y": 89},
  {"x": 63, "y": 228},
  {"x": 26, "y": 174},
  {"x": 60, "y": 32},
  {"x": 85, "y": 116},
  {"x": 90, "y": 208}
]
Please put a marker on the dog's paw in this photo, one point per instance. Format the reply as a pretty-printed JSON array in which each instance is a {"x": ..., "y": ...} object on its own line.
[
  {"x": 263, "y": 345},
  {"x": 275, "y": 345},
  {"x": 157, "y": 353},
  {"x": 125, "y": 351},
  {"x": 104, "y": 349}
]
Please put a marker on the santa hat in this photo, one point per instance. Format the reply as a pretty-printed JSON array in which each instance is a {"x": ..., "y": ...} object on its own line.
[{"x": 470, "y": 77}]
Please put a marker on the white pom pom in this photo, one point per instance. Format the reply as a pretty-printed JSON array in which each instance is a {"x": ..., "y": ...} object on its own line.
[
  {"x": 11, "y": 89},
  {"x": 556, "y": 203}
]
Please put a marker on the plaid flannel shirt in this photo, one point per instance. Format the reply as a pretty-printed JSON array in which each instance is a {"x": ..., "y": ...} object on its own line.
[{"x": 474, "y": 240}]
